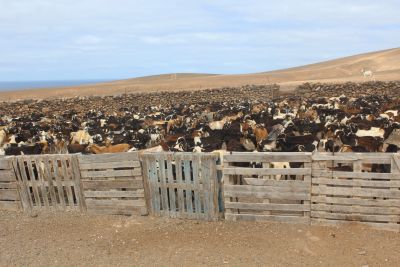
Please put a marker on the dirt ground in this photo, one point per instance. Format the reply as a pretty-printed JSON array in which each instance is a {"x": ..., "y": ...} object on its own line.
[{"x": 70, "y": 239}]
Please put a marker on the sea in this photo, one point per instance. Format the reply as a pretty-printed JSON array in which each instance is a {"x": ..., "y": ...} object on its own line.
[{"x": 23, "y": 85}]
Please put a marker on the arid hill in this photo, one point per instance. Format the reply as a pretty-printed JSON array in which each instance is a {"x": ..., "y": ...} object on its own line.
[{"x": 385, "y": 66}]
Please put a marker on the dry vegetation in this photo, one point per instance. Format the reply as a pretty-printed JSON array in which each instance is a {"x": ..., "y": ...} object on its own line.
[{"x": 385, "y": 65}]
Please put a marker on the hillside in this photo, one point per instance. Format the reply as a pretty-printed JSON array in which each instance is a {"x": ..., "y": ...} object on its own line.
[{"x": 385, "y": 65}]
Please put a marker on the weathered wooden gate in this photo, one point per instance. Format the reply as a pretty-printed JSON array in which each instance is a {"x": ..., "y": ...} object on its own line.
[
  {"x": 182, "y": 185},
  {"x": 49, "y": 182}
]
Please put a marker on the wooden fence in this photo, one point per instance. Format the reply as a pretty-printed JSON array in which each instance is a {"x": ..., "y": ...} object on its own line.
[
  {"x": 320, "y": 188},
  {"x": 49, "y": 182},
  {"x": 348, "y": 187},
  {"x": 262, "y": 186},
  {"x": 182, "y": 185},
  {"x": 113, "y": 184}
]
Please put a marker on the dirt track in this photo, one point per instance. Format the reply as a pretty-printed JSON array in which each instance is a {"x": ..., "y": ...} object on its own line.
[{"x": 86, "y": 240}]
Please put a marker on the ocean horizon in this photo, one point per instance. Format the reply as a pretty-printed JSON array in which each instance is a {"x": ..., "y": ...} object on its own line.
[{"x": 26, "y": 85}]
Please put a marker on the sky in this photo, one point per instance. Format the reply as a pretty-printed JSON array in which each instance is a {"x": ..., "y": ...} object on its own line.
[{"x": 116, "y": 39}]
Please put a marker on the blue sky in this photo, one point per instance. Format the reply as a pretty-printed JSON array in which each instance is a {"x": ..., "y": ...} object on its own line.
[{"x": 104, "y": 39}]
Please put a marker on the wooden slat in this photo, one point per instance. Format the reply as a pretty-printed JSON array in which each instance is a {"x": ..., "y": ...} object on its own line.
[
  {"x": 205, "y": 177},
  {"x": 197, "y": 185},
  {"x": 364, "y": 192},
  {"x": 267, "y": 206},
  {"x": 5, "y": 163},
  {"x": 163, "y": 182},
  {"x": 188, "y": 196},
  {"x": 181, "y": 200},
  {"x": 356, "y": 201},
  {"x": 356, "y": 209},
  {"x": 275, "y": 183},
  {"x": 114, "y": 194},
  {"x": 49, "y": 177},
  {"x": 111, "y": 157},
  {"x": 116, "y": 202},
  {"x": 172, "y": 195},
  {"x": 112, "y": 184},
  {"x": 32, "y": 177},
  {"x": 359, "y": 175},
  {"x": 268, "y": 157},
  {"x": 9, "y": 194},
  {"x": 268, "y": 189},
  {"x": 7, "y": 175},
  {"x": 274, "y": 218},
  {"x": 267, "y": 171},
  {"x": 78, "y": 183},
  {"x": 66, "y": 176},
  {"x": 22, "y": 181},
  {"x": 322, "y": 156},
  {"x": 58, "y": 184},
  {"x": 269, "y": 195},
  {"x": 110, "y": 173},
  {"x": 109, "y": 165},
  {"x": 363, "y": 182},
  {"x": 41, "y": 180},
  {"x": 8, "y": 185}
]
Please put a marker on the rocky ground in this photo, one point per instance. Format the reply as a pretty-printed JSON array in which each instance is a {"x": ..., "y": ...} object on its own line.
[{"x": 68, "y": 239}]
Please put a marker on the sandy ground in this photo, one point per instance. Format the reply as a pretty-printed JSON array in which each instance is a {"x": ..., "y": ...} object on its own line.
[
  {"x": 70, "y": 239},
  {"x": 384, "y": 64}
]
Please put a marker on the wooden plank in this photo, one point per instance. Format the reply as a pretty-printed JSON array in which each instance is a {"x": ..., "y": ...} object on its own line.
[
  {"x": 356, "y": 209},
  {"x": 364, "y": 192},
  {"x": 267, "y": 171},
  {"x": 268, "y": 157},
  {"x": 8, "y": 185},
  {"x": 40, "y": 182},
  {"x": 7, "y": 175},
  {"x": 215, "y": 188},
  {"x": 197, "y": 186},
  {"x": 9, "y": 194},
  {"x": 163, "y": 183},
  {"x": 356, "y": 201},
  {"x": 269, "y": 195},
  {"x": 5, "y": 164},
  {"x": 78, "y": 188},
  {"x": 355, "y": 217},
  {"x": 322, "y": 156},
  {"x": 49, "y": 177},
  {"x": 58, "y": 183},
  {"x": 112, "y": 184},
  {"x": 110, "y": 173},
  {"x": 146, "y": 185},
  {"x": 275, "y": 183},
  {"x": 116, "y": 202},
  {"x": 188, "y": 181},
  {"x": 268, "y": 189},
  {"x": 179, "y": 180},
  {"x": 274, "y": 218},
  {"x": 66, "y": 177},
  {"x": 358, "y": 175},
  {"x": 172, "y": 195},
  {"x": 267, "y": 206},
  {"x": 110, "y": 157},
  {"x": 33, "y": 179},
  {"x": 114, "y": 194},
  {"x": 10, "y": 205},
  {"x": 26, "y": 198},
  {"x": 364, "y": 182},
  {"x": 109, "y": 165},
  {"x": 205, "y": 177}
]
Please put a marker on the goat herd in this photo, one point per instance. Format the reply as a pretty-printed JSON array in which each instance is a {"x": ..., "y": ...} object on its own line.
[{"x": 291, "y": 124}]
